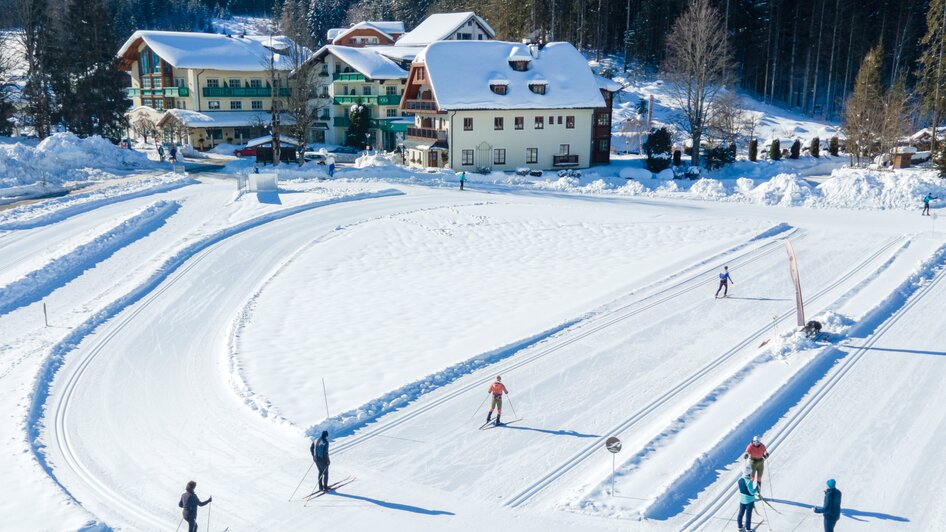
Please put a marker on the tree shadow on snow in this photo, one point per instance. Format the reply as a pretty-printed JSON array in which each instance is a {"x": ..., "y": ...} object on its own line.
[
  {"x": 552, "y": 432},
  {"x": 851, "y": 513},
  {"x": 392, "y": 505}
]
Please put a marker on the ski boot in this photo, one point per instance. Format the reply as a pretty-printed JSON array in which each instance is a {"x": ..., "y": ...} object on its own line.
[
  {"x": 489, "y": 417},
  {"x": 498, "y": 422}
]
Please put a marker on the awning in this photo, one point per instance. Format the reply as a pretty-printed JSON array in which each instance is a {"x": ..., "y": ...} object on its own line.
[
  {"x": 205, "y": 119},
  {"x": 266, "y": 139}
]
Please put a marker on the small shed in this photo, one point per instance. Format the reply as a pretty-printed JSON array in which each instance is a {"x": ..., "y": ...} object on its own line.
[
  {"x": 288, "y": 149},
  {"x": 902, "y": 156}
]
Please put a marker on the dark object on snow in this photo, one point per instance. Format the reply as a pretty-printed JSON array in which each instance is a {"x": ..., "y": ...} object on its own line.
[
  {"x": 693, "y": 172},
  {"x": 189, "y": 502},
  {"x": 753, "y": 150},
  {"x": 720, "y": 156},
  {"x": 833, "y": 146},
  {"x": 775, "y": 150},
  {"x": 815, "y": 148},
  {"x": 831, "y": 509},
  {"x": 319, "y": 450},
  {"x": 812, "y": 329},
  {"x": 676, "y": 157},
  {"x": 535, "y": 173},
  {"x": 658, "y": 148},
  {"x": 795, "y": 150}
]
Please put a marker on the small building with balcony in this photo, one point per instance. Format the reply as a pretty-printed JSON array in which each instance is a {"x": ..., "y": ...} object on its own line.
[
  {"x": 367, "y": 33},
  {"x": 463, "y": 26},
  {"x": 222, "y": 81},
  {"x": 492, "y": 105}
]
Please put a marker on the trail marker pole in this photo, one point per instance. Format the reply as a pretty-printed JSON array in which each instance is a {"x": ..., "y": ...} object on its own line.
[
  {"x": 325, "y": 395},
  {"x": 613, "y": 445},
  {"x": 45, "y": 315}
]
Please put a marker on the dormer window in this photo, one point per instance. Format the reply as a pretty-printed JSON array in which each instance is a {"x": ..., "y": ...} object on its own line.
[
  {"x": 519, "y": 58},
  {"x": 499, "y": 86},
  {"x": 538, "y": 87},
  {"x": 519, "y": 65}
]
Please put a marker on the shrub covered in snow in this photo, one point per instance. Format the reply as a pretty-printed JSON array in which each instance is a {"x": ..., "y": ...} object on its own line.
[
  {"x": 795, "y": 150},
  {"x": 569, "y": 173},
  {"x": 815, "y": 148},
  {"x": 658, "y": 147},
  {"x": 753, "y": 150},
  {"x": 720, "y": 156},
  {"x": 833, "y": 146},
  {"x": 633, "y": 172},
  {"x": 775, "y": 150}
]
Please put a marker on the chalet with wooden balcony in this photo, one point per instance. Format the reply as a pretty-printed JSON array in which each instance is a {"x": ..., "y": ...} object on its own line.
[
  {"x": 367, "y": 33},
  {"x": 491, "y": 105},
  {"x": 220, "y": 84},
  {"x": 465, "y": 26}
]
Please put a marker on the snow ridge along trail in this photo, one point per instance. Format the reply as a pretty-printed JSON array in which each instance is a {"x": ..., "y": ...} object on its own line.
[
  {"x": 875, "y": 325},
  {"x": 544, "y": 343},
  {"x": 681, "y": 387},
  {"x": 164, "y": 277},
  {"x": 58, "y": 270}
]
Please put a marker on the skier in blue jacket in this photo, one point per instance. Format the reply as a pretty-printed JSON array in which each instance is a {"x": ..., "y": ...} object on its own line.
[
  {"x": 724, "y": 280},
  {"x": 926, "y": 204},
  {"x": 319, "y": 450},
  {"x": 831, "y": 509},
  {"x": 746, "y": 499}
]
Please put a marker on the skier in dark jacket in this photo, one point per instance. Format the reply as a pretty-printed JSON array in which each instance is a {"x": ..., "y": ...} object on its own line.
[
  {"x": 724, "y": 280},
  {"x": 190, "y": 502},
  {"x": 319, "y": 450},
  {"x": 926, "y": 204},
  {"x": 832, "y": 506},
  {"x": 747, "y": 497}
]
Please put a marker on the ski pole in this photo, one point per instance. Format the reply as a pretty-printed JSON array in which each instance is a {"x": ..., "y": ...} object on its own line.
[
  {"x": 481, "y": 406},
  {"x": 208, "y": 511},
  {"x": 179, "y": 525},
  {"x": 512, "y": 407},
  {"x": 301, "y": 481}
]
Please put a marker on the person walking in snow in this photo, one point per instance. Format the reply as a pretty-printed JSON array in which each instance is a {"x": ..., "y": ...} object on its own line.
[
  {"x": 831, "y": 509},
  {"x": 746, "y": 500},
  {"x": 462, "y": 179},
  {"x": 161, "y": 153},
  {"x": 497, "y": 389},
  {"x": 173, "y": 153},
  {"x": 319, "y": 450},
  {"x": 756, "y": 454},
  {"x": 189, "y": 502},
  {"x": 330, "y": 161},
  {"x": 926, "y": 204},
  {"x": 724, "y": 280}
]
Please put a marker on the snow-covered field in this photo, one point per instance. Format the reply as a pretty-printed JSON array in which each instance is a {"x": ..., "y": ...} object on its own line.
[{"x": 191, "y": 329}]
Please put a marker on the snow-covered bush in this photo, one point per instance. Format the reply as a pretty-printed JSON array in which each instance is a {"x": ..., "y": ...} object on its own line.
[
  {"x": 632, "y": 172},
  {"x": 775, "y": 150},
  {"x": 569, "y": 172},
  {"x": 522, "y": 171},
  {"x": 833, "y": 146},
  {"x": 658, "y": 148},
  {"x": 753, "y": 150},
  {"x": 795, "y": 150},
  {"x": 815, "y": 148}
]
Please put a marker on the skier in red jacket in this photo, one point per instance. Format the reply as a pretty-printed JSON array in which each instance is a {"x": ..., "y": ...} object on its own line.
[
  {"x": 497, "y": 389},
  {"x": 756, "y": 454}
]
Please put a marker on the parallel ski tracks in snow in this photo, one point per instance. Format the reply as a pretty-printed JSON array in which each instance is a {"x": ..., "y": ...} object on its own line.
[
  {"x": 815, "y": 397},
  {"x": 576, "y": 333},
  {"x": 594, "y": 446}
]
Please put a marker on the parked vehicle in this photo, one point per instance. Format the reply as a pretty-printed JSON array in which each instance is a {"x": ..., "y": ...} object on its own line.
[{"x": 245, "y": 152}]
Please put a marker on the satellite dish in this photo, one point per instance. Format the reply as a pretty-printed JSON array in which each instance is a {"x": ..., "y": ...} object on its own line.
[{"x": 613, "y": 445}]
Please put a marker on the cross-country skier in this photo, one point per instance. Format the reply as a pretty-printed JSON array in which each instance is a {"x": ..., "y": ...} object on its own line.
[
  {"x": 746, "y": 500},
  {"x": 319, "y": 450},
  {"x": 756, "y": 454},
  {"x": 462, "y": 179},
  {"x": 724, "y": 280},
  {"x": 189, "y": 502},
  {"x": 497, "y": 389},
  {"x": 832, "y": 506},
  {"x": 926, "y": 204}
]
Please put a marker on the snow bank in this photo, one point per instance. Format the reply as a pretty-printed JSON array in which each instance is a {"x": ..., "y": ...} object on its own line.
[
  {"x": 64, "y": 157},
  {"x": 377, "y": 160},
  {"x": 783, "y": 189},
  {"x": 877, "y": 189}
]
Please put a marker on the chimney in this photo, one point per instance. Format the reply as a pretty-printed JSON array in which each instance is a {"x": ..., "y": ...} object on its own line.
[{"x": 534, "y": 50}]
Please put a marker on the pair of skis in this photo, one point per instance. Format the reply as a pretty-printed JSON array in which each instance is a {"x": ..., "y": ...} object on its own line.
[
  {"x": 331, "y": 487},
  {"x": 491, "y": 425}
]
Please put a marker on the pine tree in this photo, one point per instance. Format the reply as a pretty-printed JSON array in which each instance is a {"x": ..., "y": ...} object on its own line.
[
  {"x": 795, "y": 151},
  {"x": 359, "y": 122},
  {"x": 932, "y": 65},
  {"x": 37, "y": 42},
  {"x": 753, "y": 150},
  {"x": 775, "y": 150},
  {"x": 658, "y": 146},
  {"x": 834, "y": 146},
  {"x": 864, "y": 115},
  {"x": 815, "y": 147}
]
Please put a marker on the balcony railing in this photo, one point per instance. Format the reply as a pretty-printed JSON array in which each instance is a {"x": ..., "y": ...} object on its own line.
[
  {"x": 421, "y": 105},
  {"x": 166, "y": 92},
  {"x": 348, "y": 76},
  {"x": 341, "y": 121},
  {"x": 389, "y": 99},
  {"x": 368, "y": 99},
  {"x": 238, "y": 92},
  {"x": 565, "y": 160},
  {"x": 427, "y": 133}
]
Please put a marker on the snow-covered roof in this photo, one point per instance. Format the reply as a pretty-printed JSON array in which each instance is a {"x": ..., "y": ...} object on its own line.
[
  {"x": 360, "y": 26},
  {"x": 390, "y": 28},
  {"x": 333, "y": 32},
  {"x": 925, "y": 132},
  {"x": 460, "y": 74},
  {"x": 208, "y": 50},
  {"x": 439, "y": 27},
  {"x": 607, "y": 84},
  {"x": 265, "y": 139},
  {"x": 398, "y": 53},
  {"x": 221, "y": 118},
  {"x": 365, "y": 60}
]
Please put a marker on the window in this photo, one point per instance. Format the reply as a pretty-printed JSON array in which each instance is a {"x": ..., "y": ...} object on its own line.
[
  {"x": 215, "y": 133},
  {"x": 366, "y": 90},
  {"x": 603, "y": 119},
  {"x": 180, "y": 82},
  {"x": 538, "y": 88},
  {"x": 519, "y": 65},
  {"x": 498, "y": 123},
  {"x": 569, "y": 122},
  {"x": 213, "y": 105},
  {"x": 467, "y": 158},
  {"x": 464, "y": 36},
  {"x": 234, "y": 83},
  {"x": 551, "y": 120},
  {"x": 420, "y": 73},
  {"x": 180, "y": 104},
  {"x": 559, "y": 119},
  {"x": 390, "y": 90},
  {"x": 498, "y": 88},
  {"x": 520, "y": 122},
  {"x": 539, "y": 122},
  {"x": 467, "y": 124},
  {"x": 213, "y": 82},
  {"x": 499, "y": 156},
  {"x": 256, "y": 104},
  {"x": 391, "y": 112},
  {"x": 256, "y": 83},
  {"x": 236, "y": 105},
  {"x": 563, "y": 149},
  {"x": 146, "y": 83},
  {"x": 532, "y": 155},
  {"x": 603, "y": 145},
  {"x": 159, "y": 104}
]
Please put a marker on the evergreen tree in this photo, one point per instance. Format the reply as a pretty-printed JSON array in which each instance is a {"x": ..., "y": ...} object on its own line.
[
  {"x": 864, "y": 115},
  {"x": 775, "y": 150},
  {"x": 359, "y": 121},
  {"x": 932, "y": 65},
  {"x": 37, "y": 43},
  {"x": 939, "y": 162},
  {"x": 834, "y": 146},
  {"x": 815, "y": 147},
  {"x": 795, "y": 151},
  {"x": 753, "y": 150},
  {"x": 657, "y": 147}
]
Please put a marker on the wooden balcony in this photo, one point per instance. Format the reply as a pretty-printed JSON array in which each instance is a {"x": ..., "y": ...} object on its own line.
[
  {"x": 565, "y": 160},
  {"x": 426, "y": 133},
  {"x": 420, "y": 105}
]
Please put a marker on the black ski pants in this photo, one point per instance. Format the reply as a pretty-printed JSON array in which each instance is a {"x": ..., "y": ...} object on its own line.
[
  {"x": 723, "y": 285},
  {"x": 323, "y": 473},
  {"x": 191, "y": 524},
  {"x": 829, "y": 524},
  {"x": 745, "y": 509},
  {"x": 926, "y": 209}
]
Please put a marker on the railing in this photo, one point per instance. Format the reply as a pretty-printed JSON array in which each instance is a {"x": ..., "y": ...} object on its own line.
[
  {"x": 368, "y": 99},
  {"x": 238, "y": 92},
  {"x": 421, "y": 105},
  {"x": 285, "y": 91},
  {"x": 348, "y": 76},
  {"x": 166, "y": 92},
  {"x": 389, "y": 99},
  {"x": 389, "y": 124},
  {"x": 564, "y": 160},
  {"x": 427, "y": 133}
]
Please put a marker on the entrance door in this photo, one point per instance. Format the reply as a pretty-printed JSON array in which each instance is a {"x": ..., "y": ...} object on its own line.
[
  {"x": 484, "y": 156},
  {"x": 432, "y": 158}
]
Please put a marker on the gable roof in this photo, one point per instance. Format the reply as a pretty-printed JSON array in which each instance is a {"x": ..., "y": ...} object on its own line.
[
  {"x": 389, "y": 28},
  {"x": 360, "y": 26},
  {"x": 439, "y": 27},
  {"x": 365, "y": 60},
  {"x": 460, "y": 74},
  {"x": 184, "y": 49}
]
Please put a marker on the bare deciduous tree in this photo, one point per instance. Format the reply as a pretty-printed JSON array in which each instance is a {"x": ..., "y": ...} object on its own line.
[
  {"x": 728, "y": 120},
  {"x": 698, "y": 64}
]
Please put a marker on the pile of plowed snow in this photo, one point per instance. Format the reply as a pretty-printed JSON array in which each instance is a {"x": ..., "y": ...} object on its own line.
[{"x": 64, "y": 157}]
